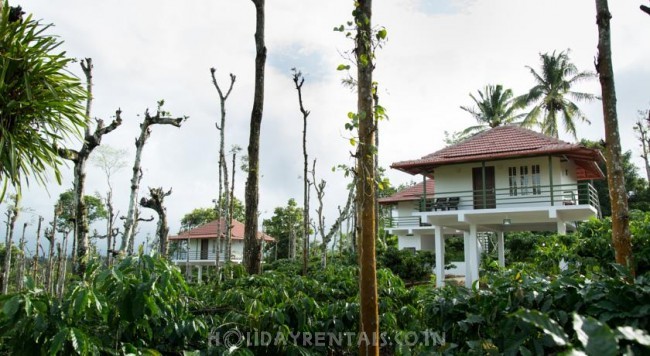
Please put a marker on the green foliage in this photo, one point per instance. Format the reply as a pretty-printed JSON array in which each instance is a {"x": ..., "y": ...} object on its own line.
[
  {"x": 637, "y": 187},
  {"x": 281, "y": 302},
  {"x": 489, "y": 320},
  {"x": 408, "y": 265},
  {"x": 285, "y": 224},
  {"x": 42, "y": 103},
  {"x": 494, "y": 107},
  {"x": 552, "y": 95},
  {"x": 139, "y": 305},
  {"x": 94, "y": 206},
  {"x": 588, "y": 250}
]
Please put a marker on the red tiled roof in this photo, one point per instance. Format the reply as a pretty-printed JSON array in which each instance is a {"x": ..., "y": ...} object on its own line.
[
  {"x": 209, "y": 231},
  {"x": 413, "y": 192},
  {"x": 508, "y": 141}
]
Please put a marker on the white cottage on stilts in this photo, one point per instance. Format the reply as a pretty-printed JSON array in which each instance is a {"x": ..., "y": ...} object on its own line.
[{"x": 504, "y": 179}]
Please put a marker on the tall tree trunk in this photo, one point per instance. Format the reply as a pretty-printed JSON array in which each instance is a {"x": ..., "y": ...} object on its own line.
[
  {"x": 63, "y": 266},
  {"x": 49, "y": 275},
  {"x": 91, "y": 141},
  {"x": 130, "y": 221},
  {"x": 11, "y": 220},
  {"x": 641, "y": 127},
  {"x": 252, "y": 257},
  {"x": 38, "y": 252},
  {"x": 614, "y": 160},
  {"x": 234, "y": 151},
  {"x": 21, "y": 260},
  {"x": 110, "y": 234},
  {"x": 299, "y": 80},
  {"x": 369, "y": 342},
  {"x": 156, "y": 202},
  {"x": 224, "y": 206}
]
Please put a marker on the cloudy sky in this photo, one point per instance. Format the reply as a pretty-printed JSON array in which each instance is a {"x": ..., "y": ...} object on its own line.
[{"x": 438, "y": 51}]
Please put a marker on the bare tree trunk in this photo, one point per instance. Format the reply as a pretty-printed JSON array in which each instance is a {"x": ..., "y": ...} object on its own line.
[
  {"x": 155, "y": 202},
  {"x": 299, "y": 80},
  {"x": 234, "y": 151},
  {"x": 614, "y": 160},
  {"x": 336, "y": 227},
  {"x": 49, "y": 276},
  {"x": 63, "y": 262},
  {"x": 641, "y": 127},
  {"x": 38, "y": 252},
  {"x": 20, "y": 275},
  {"x": 369, "y": 343},
  {"x": 145, "y": 131},
  {"x": 79, "y": 158},
  {"x": 110, "y": 234},
  {"x": 12, "y": 216},
  {"x": 252, "y": 258},
  {"x": 224, "y": 206}
]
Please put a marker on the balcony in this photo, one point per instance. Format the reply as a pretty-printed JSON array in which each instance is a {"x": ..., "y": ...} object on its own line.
[
  {"x": 564, "y": 197},
  {"x": 198, "y": 257}
]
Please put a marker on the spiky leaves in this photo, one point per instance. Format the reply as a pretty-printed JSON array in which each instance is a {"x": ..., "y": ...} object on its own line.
[
  {"x": 552, "y": 98},
  {"x": 494, "y": 107},
  {"x": 42, "y": 103}
]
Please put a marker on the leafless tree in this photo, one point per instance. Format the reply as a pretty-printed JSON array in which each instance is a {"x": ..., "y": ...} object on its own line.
[
  {"x": 12, "y": 215},
  {"x": 130, "y": 221},
  {"x": 79, "y": 158},
  {"x": 298, "y": 81},
  {"x": 50, "y": 236},
  {"x": 37, "y": 253},
  {"x": 156, "y": 202},
  {"x": 343, "y": 214},
  {"x": 223, "y": 200},
  {"x": 20, "y": 261},
  {"x": 641, "y": 127}
]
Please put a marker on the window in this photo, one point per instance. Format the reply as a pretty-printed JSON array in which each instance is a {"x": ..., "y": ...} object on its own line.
[
  {"x": 523, "y": 172},
  {"x": 537, "y": 179},
  {"x": 512, "y": 180}
]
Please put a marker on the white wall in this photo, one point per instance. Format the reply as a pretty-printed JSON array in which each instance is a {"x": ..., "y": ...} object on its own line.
[
  {"x": 419, "y": 242},
  {"x": 456, "y": 180},
  {"x": 409, "y": 242}
]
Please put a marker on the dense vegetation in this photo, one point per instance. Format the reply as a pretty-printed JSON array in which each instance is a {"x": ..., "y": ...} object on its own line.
[{"x": 143, "y": 305}]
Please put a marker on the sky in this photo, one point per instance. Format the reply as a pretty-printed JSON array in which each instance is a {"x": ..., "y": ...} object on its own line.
[{"x": 437, "y": 53}]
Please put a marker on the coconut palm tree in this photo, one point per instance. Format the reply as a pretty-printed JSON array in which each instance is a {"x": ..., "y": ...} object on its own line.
[
  {"x": 494, "y": 107},
  {"x": 41, "y": 102},
  {"x": 552, "y": 97}
]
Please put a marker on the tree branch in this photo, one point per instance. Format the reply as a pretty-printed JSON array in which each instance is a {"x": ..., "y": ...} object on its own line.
[{"x": 645, "y": 9}]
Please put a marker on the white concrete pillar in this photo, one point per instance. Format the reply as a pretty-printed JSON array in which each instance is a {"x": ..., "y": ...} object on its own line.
[
  {"x": 561, "y": 227},
  {"x": 200, "y": 276},
  {"x": 473, "y": 255},
  {"x": 468, "y": 260},
  {"x": 500, "y": 249},
  {"x": 440, "y": 257}
]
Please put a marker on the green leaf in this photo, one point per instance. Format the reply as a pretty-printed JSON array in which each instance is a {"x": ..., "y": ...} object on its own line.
[
  {"x": 597, "y": 338},
  {"x": 353, "y": 141},
  {"x": 57, "y": 341},
  {"x": 363, "y": 58},
  {"x": 11, "y": 306},
  {"x": 548, "y": 325},
  {"x": 343, "y": 67},
  {"x": 381, "y": 34}
]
